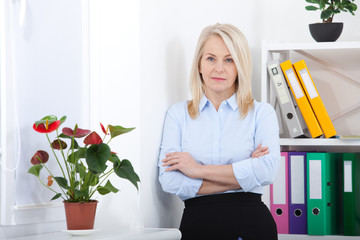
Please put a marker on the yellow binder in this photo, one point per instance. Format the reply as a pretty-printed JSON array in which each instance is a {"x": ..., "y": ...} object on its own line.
[
  {"x": 314, "y": 99},
  {"x": 301, "y": 99}
]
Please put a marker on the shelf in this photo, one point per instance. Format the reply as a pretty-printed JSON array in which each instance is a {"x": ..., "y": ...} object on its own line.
[
  {"x": 319, "y": 141},
  {"x": 331, "y": 61},
  {"x": 286, "y": 46}
]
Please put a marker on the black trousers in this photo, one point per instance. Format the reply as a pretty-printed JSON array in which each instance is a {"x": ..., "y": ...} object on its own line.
[{"x": 228, "y": 216}]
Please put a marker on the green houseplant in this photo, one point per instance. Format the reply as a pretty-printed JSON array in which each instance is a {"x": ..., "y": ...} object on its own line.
[
  {"x": 84, "y": 169},
  {"x": 329, "y": 31}
]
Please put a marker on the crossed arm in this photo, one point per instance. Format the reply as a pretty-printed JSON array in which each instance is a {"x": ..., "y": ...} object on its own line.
[{"x": 216, "y": 178}]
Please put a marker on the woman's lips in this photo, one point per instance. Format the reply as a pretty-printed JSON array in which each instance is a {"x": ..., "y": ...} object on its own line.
[{"x": 218, "y": 79}]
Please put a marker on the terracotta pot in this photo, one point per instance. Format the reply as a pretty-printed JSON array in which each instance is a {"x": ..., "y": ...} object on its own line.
[{"x": 80, "y": 215}]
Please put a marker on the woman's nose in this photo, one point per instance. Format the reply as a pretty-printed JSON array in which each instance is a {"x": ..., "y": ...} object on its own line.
[{"x": 219, "y": 66}]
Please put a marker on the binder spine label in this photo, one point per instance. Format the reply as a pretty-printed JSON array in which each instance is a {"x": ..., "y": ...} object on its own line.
[
  {"x": 315, "y": 179},
  {"x": 297, "y": 180},
  {"x": 279, "y": 185},
  {"x": 347, "y": 176},
  {"x": 309, "y": 85},
  {"x": 294, "y": 83},
  {"x": 279, "y": 84}
]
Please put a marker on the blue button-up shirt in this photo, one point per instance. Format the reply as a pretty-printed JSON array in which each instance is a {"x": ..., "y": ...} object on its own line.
[{"x": 220, "y": 138}]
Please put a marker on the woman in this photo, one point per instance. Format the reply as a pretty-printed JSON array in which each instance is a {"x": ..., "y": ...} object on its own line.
[{"x": 211, "y": 154}]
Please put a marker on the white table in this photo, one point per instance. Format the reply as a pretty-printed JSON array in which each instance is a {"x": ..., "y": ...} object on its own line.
[{"x": 144, "y": 234}]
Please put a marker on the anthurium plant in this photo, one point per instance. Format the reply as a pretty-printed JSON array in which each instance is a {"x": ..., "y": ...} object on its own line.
[
  {"x": 85, "y": 169},
  {"x": 329, "y": 8}
]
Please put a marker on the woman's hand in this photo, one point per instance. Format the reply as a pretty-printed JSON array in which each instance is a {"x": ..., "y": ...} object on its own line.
[
  {"x": 183, "y": 162},
  {"x": 259, "y": 151}
]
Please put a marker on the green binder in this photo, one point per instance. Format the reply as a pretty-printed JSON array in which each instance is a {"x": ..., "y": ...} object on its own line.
[
  {"x": 324, "y": 198},
  {"x": 351, "y": 193}
]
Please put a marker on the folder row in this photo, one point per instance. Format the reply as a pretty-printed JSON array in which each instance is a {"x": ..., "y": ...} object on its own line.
[
  {"x": 317, "y": 193},
  {"x": 307, "y": 103}
]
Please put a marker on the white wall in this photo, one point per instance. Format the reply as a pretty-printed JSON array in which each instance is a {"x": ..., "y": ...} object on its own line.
[{"x": 115, "y": 99}]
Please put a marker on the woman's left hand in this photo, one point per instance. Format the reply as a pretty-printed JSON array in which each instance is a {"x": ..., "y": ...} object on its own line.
[{"x": 183, "y": 162}]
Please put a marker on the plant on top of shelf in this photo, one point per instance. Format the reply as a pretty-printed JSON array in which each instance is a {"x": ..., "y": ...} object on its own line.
[
  {"x": 330, "y": 8},
  {"x": 329, "y": 31}
]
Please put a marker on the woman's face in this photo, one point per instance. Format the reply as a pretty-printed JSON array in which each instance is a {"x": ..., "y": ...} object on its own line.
[{"x": 217, "y": 68}]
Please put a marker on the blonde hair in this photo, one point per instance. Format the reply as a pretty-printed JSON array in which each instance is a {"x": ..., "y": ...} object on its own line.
[{"x": 238, "y": 47}]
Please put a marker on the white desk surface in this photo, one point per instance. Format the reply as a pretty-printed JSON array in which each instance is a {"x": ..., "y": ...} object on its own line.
[{"x": 145, "y": 234}]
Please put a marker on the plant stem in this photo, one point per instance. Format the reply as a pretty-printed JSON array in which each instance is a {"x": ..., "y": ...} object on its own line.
[
  {"x": 106, "y": 176},
  {"x": 50, "y": 187},
  {"x": 52, "y": 175},
  {"x": 109, "y": 172},
  {"x": 62, "y": 153},
  {"x": 62, "y": 170}
]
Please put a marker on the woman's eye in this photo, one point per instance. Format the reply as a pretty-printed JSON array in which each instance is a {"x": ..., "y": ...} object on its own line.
[
  {"x": 211, "y": 59},
  {"x": 229, "y": 60}
]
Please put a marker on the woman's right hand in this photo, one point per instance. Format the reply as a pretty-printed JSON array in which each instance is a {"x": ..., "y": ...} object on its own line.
[{"x": 259, "y": 151}]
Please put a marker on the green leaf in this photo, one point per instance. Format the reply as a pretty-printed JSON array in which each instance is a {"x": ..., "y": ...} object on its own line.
[
  {"x": 64, "y": 136},
  {"x": 102, "y": 190},
  {"x": 326, "y": 14},
  {"x": 78, "y": 193},
  {"x": 107, "y": 189},
  {"x": 75, "y": 156},
  {"x": 94, "y": 180},
  {"x": 110, "y": 187},
  {"x": 114, "y": 158},
  {"x": 56, "y": 196},
  {"x": 85, "y": 193},
  {"x": 118, "y": 130},
  {"x": 35, "y": 170},
  {"x": 80, "y": 168},
  {"x": 351, "y": 7},
  {"x": 125, "y": 170},
  {"x": 50, "y": 119},
  {"x": 96, "y": 157},
  {"x": 62, "y": 182},
  {"x": 76, "y": 145},
  {"x": 311, "y": 8},
  {"x": 62, "y": 120},
  {"x": 313, "y": 1}
]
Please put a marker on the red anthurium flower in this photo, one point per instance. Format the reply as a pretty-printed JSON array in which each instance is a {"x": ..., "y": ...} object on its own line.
[
  {"x": 47, "y": 127},
  {"x": 50, "y": 180},
  {"x": 103, "y": 129},
  {"x": 79, "y": 133},
  {"x": 40, "y": 157},
  {"x": 56, "y": 145},
  {"x": 93, "y": 138}
]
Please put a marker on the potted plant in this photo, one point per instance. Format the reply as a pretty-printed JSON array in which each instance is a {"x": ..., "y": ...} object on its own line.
[
  {"x": 329, "y": 31},
  {"x": 84, "y": 169}
]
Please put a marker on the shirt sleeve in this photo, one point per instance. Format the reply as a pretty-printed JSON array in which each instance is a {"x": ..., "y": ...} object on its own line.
[
  {"x": 255, "y": 172},
  {"x": 175, "y": 182}
]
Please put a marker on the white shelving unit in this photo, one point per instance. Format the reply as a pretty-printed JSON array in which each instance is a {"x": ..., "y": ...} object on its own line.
[{"x": 313, "y": 52}]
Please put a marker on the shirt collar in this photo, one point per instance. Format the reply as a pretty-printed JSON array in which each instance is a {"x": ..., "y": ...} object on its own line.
[
  {"x": 203, "y": 103},
  {"x": 231, "y": 101}
]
